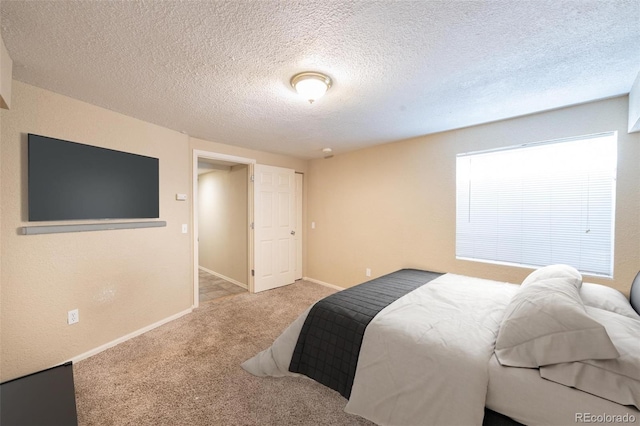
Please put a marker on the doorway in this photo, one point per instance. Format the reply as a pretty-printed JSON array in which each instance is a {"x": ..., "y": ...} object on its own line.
[
  {"x": 222, "y": 213},
  {"x": 222, "y": 228},
  {"x": 236, "y": 225}
]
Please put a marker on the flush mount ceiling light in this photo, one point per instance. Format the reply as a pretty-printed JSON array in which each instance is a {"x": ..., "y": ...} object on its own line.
[
  {"x": 311, "y": 85},
  {"x": 328, "y": 152}
]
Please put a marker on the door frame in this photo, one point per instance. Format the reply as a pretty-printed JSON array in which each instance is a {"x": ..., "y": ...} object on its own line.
[{"x": 194, "y": 214}]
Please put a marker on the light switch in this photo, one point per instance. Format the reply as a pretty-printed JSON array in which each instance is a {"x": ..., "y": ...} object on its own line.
[
  {"x": 184, "y": 228},
  {"x": 313, "y": 225},
  {"x": 181, "y": 197}
]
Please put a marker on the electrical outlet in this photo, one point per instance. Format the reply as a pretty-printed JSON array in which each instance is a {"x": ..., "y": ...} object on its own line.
[
  {"x": 73, "y": 317},
  {"x": 367, "y": 272}
]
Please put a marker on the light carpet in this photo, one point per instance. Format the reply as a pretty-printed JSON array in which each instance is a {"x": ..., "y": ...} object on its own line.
[{"x": 187, "y": 372}]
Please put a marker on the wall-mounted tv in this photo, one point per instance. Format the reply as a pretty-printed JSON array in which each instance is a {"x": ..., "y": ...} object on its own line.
[{"x": 73, "y": 181}]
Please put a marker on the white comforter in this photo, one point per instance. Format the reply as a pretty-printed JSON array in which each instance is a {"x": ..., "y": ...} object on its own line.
[{"x": 424, "y": 358}]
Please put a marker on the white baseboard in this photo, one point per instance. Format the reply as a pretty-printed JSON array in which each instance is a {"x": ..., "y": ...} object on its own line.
[
  {"x": 129, "y": 336},
  {"x": 231, "y": 280},
  {"x": 313, "y": 280}
]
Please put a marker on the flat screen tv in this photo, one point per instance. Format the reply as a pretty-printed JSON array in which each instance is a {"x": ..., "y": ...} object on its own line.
[{"x": 73, "y": 181}]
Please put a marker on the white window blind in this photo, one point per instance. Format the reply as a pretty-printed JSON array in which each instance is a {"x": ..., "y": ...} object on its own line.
[{"x": 539, "y": 204}]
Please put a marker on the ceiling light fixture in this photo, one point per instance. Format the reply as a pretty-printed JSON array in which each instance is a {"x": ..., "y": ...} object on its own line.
[{"x": 311, "y": 85}]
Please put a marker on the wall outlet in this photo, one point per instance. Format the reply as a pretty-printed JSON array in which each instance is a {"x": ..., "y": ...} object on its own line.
[
  {"x": 367, "y": 272},
  {"x": 73, "y": 317}
]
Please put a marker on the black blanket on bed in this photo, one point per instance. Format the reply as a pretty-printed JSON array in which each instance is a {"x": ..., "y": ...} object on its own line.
[{"x": 329, "y": 343}]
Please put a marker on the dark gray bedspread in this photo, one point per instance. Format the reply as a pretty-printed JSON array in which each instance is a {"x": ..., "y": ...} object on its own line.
[{"x": 329, "y": 343}]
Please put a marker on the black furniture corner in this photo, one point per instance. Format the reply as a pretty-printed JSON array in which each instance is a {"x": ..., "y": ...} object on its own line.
[{"x": 43, "y": 398}]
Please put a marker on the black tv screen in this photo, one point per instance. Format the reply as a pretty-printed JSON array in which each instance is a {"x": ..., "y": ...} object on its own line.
[{"x": 73, "y": 181}]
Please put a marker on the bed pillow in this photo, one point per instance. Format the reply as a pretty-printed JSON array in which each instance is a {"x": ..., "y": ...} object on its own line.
[
  {"x": 566, "y": 273},
  {"x": 546, "y": 323},
  {"x": 608, "y": 299},
  {"x": 617, "y": 380}
]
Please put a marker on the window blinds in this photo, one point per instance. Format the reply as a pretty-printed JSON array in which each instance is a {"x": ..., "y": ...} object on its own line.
[{"x": 540, "y": 204}]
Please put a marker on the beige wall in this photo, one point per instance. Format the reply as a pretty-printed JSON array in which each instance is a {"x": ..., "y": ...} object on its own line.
[
  {"x": 261, "y": 157},
  {"x": 2, "y": 122},
  {"x": 6, "y": 73},
  {"x": 223, "y": 222},
  {"x": 393, "y": 206},
  {"x": 120, "y": 280}
]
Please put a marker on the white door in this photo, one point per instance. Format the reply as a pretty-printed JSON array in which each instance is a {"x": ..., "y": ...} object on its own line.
[
  {"x": 298, "y": 226},
  {"x": 274, "y": 221}
]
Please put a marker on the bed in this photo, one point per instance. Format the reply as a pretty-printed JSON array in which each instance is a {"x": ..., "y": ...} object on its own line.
[{"x": 417, "y": 347}]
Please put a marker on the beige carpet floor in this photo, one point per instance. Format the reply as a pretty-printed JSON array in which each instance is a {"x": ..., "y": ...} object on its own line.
[{"x": 188, "y": 372}]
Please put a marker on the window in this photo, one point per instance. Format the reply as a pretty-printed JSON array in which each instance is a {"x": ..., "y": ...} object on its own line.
[{"x": 539, "y": 204}]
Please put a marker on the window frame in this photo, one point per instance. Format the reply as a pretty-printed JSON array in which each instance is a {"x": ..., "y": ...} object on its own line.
[{"x": 611, "y": 264}]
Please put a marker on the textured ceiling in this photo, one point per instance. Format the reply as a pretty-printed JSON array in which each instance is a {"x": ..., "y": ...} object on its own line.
[{"x": 220, "y": 70}]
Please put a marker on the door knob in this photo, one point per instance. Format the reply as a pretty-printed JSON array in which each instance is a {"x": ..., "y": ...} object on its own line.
[{"x": 293, "y": 232}]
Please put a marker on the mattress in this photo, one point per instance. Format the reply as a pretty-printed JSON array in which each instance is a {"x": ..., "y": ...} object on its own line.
[{"x": 523, "y": 395}]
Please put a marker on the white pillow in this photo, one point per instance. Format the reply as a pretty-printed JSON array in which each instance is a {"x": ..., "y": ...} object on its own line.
[
  {"x": 617, "y": 380},
  {"x": 607, "y": 298},
  {"x": 546, "y": 323},
  {"x": 564, "y": 272}
]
